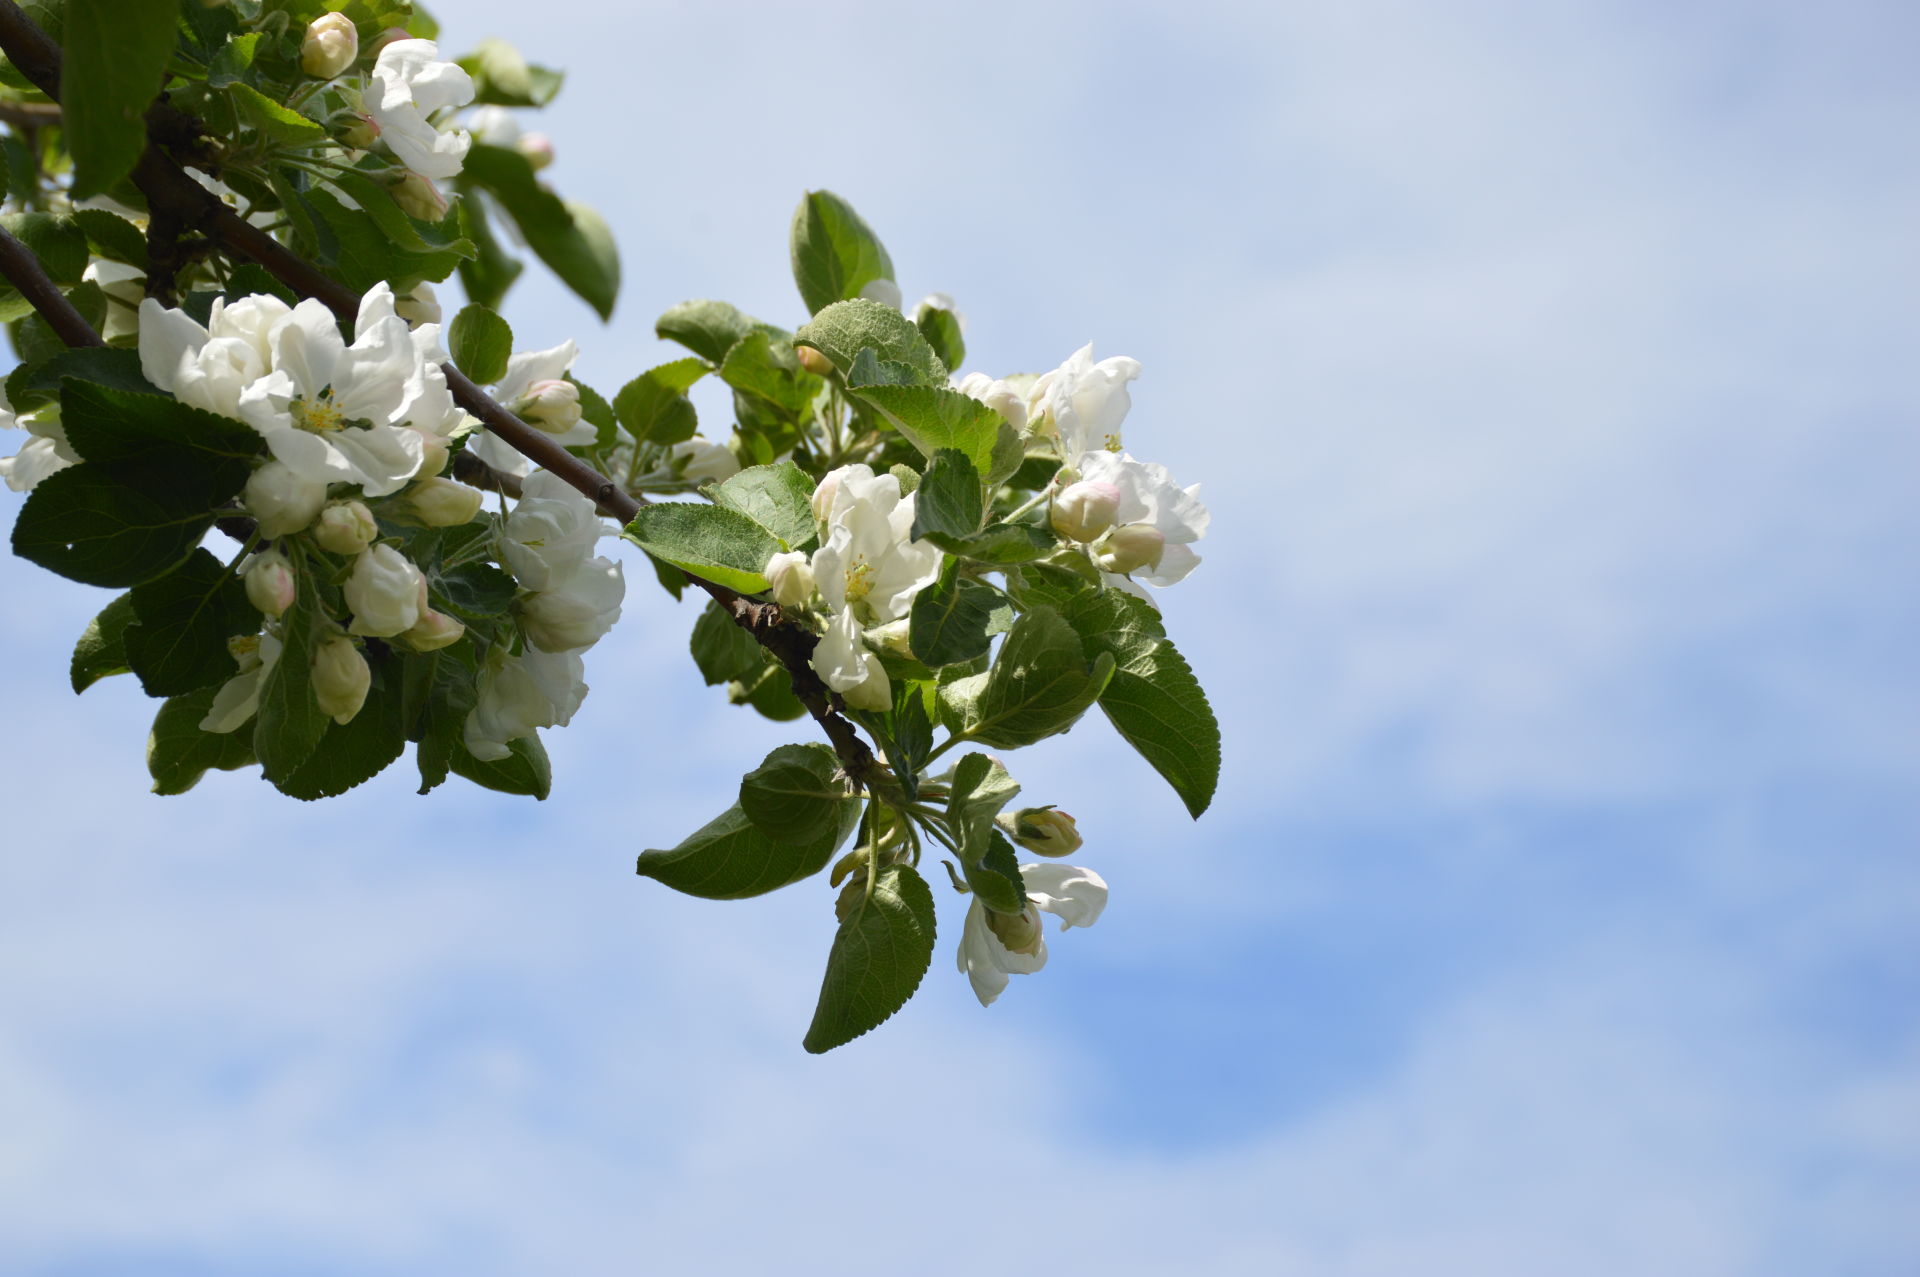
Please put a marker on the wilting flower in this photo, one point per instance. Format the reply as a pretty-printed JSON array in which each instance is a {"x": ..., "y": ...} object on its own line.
[
  {"x": 994, "y": 946},
  {"x": 410, "y": 83}
]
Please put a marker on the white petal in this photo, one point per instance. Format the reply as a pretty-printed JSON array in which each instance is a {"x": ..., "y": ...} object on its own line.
[{"x": 1074, "y": 895}]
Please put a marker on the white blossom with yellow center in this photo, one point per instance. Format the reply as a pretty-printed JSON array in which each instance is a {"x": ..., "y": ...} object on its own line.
[{"x": 867, "y": 570}]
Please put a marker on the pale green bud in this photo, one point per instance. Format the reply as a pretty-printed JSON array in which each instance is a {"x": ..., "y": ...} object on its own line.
[
  {"x": 341, "y": 678},
  {"x": 442, "y": 503},
  {"x": 281, "y": 500},
  {"x": 330, "y": 46},
  {"x": 1045, "y": 831},
  {"x": 1019, "y": 932},
  {"x": 434, "y": 630},
  {"x": 792, "y": 578},
  {"x": 419, "y": 197},
  {"x": 552, "y": 405},
  {"x": 1130, "y": 548}
]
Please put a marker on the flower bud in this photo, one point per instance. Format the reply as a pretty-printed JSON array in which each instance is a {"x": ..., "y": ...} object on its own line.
[
  {"x": 1020, "y": 932},
  {"x": 270, "y": 583},
  {"x": 1130, "y": 548},
  {"x": 703, "y": 460},
  {"x": 383, "y": 592},
  {"x": 814, "y": 361},
  {"x": 537, "y": 147},
  {"x": 1045, "y": 831},
  {"x": 341, "y": 678},
  {"x": 330, "y": 46},
  {"x": 282, "y": 500},
  {"x": 345, "y": 527},
  {"x": 792, "y": 578},
  {"x": 434, "y": 630},
  {"x": 552, "y": 405},
  {"x": 418, "y": 197},
  {"x": 421, "y": 306},
  {"x": 442, "y": 503},
  {"x": 362, "y": 133},
  {"x": 1083, "y": 511},
  {"x": 434, "y": 452},
  {"x": 891, "y": 637}
]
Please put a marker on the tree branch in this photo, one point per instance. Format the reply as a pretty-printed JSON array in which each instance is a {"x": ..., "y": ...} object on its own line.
[
  {"x": 24, "y": 272},
  {"x": 185, "y": 204}
]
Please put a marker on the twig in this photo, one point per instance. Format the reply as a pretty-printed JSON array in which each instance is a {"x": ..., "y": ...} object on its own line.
[{"x": 24, "y": 272}]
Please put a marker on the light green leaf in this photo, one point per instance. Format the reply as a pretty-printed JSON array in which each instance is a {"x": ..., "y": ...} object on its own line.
[
  {"x": 764, "y": 364},
  {"x": 492, "y": 270},
  {"x": 835, "y": 253},
  {"x": 654, "y": 406},
  {"x": 955, "y": 618},
  {"x": 179, "y": 753},
  {"x": 501, "y": 77},
  {"x": 1040, "y": 684},
  {"x": 777, "y": 497},
  {"x": 570, "y": 238},
  {"x": 980, "y": 788},
  {"x": 101, "y": 651},
  {"x": 729, "y": 858},
  {"x": 844, "y": 329},
  {"x": 233, "y": 63},
  {"x": 797, "y": 795},
  {"x": 933, "y": 417},
  {"x": 879, "y": 956},
  {"x": 114, "y": 62},
  {"x": 481, "y": 342},
  {"x": 277, "y": 124},
  {"x": 722, "y": 546},
  {"x": 179, "y": 642},
  {"x": 708, "y": 328},
  {"x": 949, "y": 501},
  {"x": 1154, "y": 700},
  {"x": 941, "y": 328}
]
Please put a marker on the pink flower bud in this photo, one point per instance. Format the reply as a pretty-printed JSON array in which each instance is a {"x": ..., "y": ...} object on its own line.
[
  {"x": 1084, "y": 511},
  {"x": 1130, "y": 548},
  {"x": 269, "y": 582},
  {"x": 345, "y": 527},
  {"x": 537, "y": 147},
  {"x": 330, "y": 46}
]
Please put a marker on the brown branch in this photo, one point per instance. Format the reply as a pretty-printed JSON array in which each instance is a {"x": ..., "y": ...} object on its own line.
[
  {"x": 29, "y": 115},
  {"x": 24, "y": 272},
  {"x": 191, "y": 207}
]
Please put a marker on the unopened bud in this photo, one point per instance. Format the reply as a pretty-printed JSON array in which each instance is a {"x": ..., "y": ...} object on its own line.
[
  {"x": 442, "y": 503},
  {"x": 891, "y": 637},
  {"x": 383, "y": 592},
  {"x": 552, "y": 405},
  {"x": 434, "y": 630},
  {"x": 330, "y": 46},
  {"x": 341, "y": 678},
  {"x": 792, "y": 578},
  {"x": 537, "y": 147},
  {"x": 434, "y": 452},
  {"x": 270, "y": 584},
  {"x": 851, "y": 897},
  {"x": 362, "y": 132},
  {"x": 421, "y": 306},
  {"x": 1130, "y": 548},
  {"x": 1083, "y": 511},
  {"x": 1045, "y": 831},
  {"x": 281, "y": 500},
  {"x": 345, "y": 527},
  {"x": 419, "y": 198},
  {"x": 1019, "y": 932},
  {"x": 814, "y": 361}
]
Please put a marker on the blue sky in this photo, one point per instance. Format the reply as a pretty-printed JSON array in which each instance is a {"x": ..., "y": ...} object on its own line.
[{"x": 1550, "y": 372}]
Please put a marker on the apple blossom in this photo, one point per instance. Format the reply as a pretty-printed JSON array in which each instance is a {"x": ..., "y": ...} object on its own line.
[
  {"x": 551, "y": 531},
  {"x": 699, "y": 460},
  {"x": 1076, "y": 896},
  {"x": 45, "y": 452},
  {"x": 329, "y": 46},
  {"x": 383, "y": 592},
  {"x": 578, "y": 611},
  {"x": 1083, "y": 510},
  {"x": 442, "y": 503},
  {"x": 1160, "y": 521},
  {"x": 520, "y": 694},
  {"x": 281, "y": 499},
  {"x": 341, "y": 678},
  {"x": 792, "y": 578},
  {"x": 867, "y": 571},
  {"x": 345, "y": 527},
  {"x": 410, "y": 83},
  {"x": 1085, "y": 402},
  {"x": 269, "y": 582},
  {"x": 239, "y": 697},
  {"x": 998, "y": 395}
]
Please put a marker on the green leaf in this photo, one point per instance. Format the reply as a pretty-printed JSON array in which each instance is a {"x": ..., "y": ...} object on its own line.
[
  {"x": 570, "y": 238},
  {"x": 59, "y": 243},
  {"x": 501, "y": 77},
  {"x": 955, "y": 618},
  {"x": 233, "y": 63},
  {"x": 289, "y": 723},
  {"x": 451, "y": 691},
  {"x": 128, "y": 432},
  {"x": 995, "y": 875},
  {"x": 722, "y": 546},
  {"x": 179, "y": 753},
  {"x": 32, "y": 385},
  {"x": 879, "y": 956},
  {"x": 797, "y": 795},
  {"x": 708, "y": 328},
  {"x": 402, "y": 230},
  {"x": 481, "y": 343},
  {"x": 835, "y": 253},
  {"x": 89, "y": 526},
  {"x": 1055, "y": 584},
  {"x": 770, "y": 692},
  {"x": 654, "y": 406},
  {"x": 729, "y": 858},
  {"x": 1154, "y": 700},
  {"x": 1000, "y": 543},
  {"x": 475, "y": 591},
  {"x": 763, "y": 364},
  {"x": 112, "y": 236},
  {"x": 949, "y": 501},
  {"x": 777, "y": 497},
  {"x": 1039, "y": 685},
  {"x": 33, "y": 337},
  {"x": 980, "y": 788},
  {"x": 114, "y": 62},
  {"x": 277, "y": 124},
  {"x": 844, "y": 329},
  {"x": 933, "y": 417},
  {"x": 941, "y": 328},
  {"x": 722, "y": 649},
  {"x": 354, "y": 752},
  {"x": 361, "y": 251},
  {"x": 101, "y": 651},
  {"x": 179, "y": 641},
  {"x": 492, "y": 269},
  {"x": 525, "y": 771}
]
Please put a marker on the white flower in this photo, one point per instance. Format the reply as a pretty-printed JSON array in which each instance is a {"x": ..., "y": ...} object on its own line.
[
  {"x": 45, "y": 453},
  {"x": 699, "y": 460},
  {"x": 1150, "y": 501},
  {"x": 209, "y": 367},
  {"x": 239, "y": 697},
  {"x": 494, "y": 126},
  {"x": 125, "y": 289},
  {"x": 341, "y": 678},
  {"x": 330, "y": 46},
  {"x": 420, "y": 306},
  {"x": 1085, "y": 401},
  {"x": 994, "y": 946},
  {"x": 577, "y": 612},
  {"x": 281, "y": 499},
  {"x": 867, "y": 571},
  {"x": 1083, "y": 510},
  {"x": 384, "y": 592},
  {"x": 535, "y": 388},
  {"x": 550, "y": 533},
  {"x": 519, "y": 695},
  {"x": 1000, "y": 396},
  {"x": 791, "y": 577},
  {"x": 409, "y": 84}
]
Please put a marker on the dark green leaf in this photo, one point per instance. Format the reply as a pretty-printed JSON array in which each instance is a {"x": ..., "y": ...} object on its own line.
[
  {"x": 879, "y": 956},
  {"x": 32, "y": 385},
  {"x": 995, "y": 875},
  {"x": 777, "y": 497},
  {"x": 729, "y": 858},
  {"x": 233, "y": 64},
  {"x": 474, "y": 591},
  {"x": 404, "y": 231},
  {"x": 844, "y": 329},
  {"x": 127, "y": 432},
  {"x": 1000, "y": 543},
  {"x": 797, "y": 795},
  {"x": 722, "y": 649},
  {"x": 525, "y": 770},
  {"x": 708, "y": 328},
  {"x": 114, "y": 61},
  {"x": 949, "y": 501},
  {"x": 289, "y": 723},
  {"x": 279, "y": 125},
  {"x": 179, "y": 642},
  {"x": 955, "y": 618},
  {"x": 770, "y": 694},
  {"x": 89, "y": 526},
  {"x": 179, "y": 753},
  {"x": 491, "y": 271},
  {"x": 101, "y": 650},
  {"x": 722, "y": 546},
  {"x": 59, "y": 243},
  {"x": 451, "y": 693},
  {"x": 481, "y": 343},
  {"x": 112, "y": 236},
  {"x": 941, "y": 328},
  {"x": 570, "y": 238},
  {"x": 835, "y": 253},
  {"x": 1040, "y": 684},
  {"x": 354, "y": 752}
]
